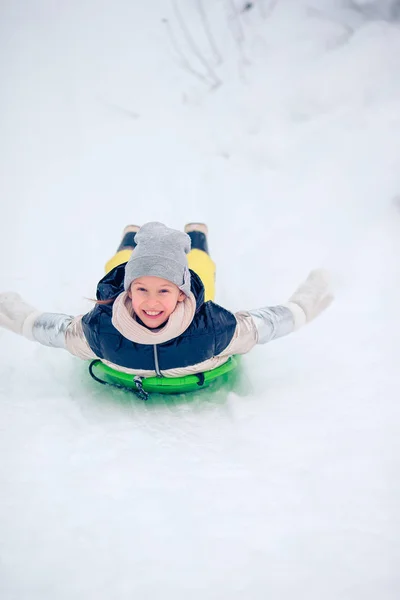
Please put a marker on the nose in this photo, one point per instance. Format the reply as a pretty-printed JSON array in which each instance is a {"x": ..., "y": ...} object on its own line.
[{"x": 152, "y": 301}]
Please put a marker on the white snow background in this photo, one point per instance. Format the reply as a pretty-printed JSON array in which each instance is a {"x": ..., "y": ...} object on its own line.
[{"x": 279, "y": 126}]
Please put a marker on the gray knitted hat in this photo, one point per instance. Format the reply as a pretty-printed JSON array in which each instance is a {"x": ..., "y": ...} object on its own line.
[{"x": 160, "y": 252}]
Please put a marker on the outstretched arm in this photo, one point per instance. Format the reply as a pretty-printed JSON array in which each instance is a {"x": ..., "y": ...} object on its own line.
[
  {"x": 50, "y": 329},
  {"x": 307, "y": 302},
  {"x": 262, "y": 325}
]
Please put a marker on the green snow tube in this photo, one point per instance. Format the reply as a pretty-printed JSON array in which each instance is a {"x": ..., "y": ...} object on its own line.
[{"x": 159, "y": 385}]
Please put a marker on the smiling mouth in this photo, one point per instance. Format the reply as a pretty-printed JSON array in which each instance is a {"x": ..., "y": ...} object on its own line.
[{"x": 153, "y": 314}]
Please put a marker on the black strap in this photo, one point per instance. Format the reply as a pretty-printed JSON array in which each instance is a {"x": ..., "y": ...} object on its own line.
[
  {"x": 201, "y": 378},
  {"x": 139, "y": 391},
  {"x": 94, "y": 362}
]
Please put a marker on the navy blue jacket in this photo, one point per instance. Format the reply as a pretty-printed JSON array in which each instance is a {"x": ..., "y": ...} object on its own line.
[{"x": 209, "y": 333}]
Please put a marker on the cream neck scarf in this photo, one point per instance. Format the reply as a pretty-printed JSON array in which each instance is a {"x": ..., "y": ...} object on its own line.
[{"x": 123, "y": 319}]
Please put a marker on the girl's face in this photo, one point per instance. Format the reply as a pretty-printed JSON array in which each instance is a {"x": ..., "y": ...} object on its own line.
[{"x": 154, "y": 299}]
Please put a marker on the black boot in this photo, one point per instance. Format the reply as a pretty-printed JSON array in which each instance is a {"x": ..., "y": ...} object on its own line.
[
  {"x": 198, "y": 233},
  {"x": 128, "y": 238}
]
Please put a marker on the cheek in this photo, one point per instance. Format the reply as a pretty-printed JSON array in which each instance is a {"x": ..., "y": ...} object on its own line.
[
  {"x": 170, "y": 303},
  {"x": 135, "y": 302}
]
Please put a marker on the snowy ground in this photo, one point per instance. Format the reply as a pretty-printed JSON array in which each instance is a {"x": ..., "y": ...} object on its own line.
[{"x": 283, "y": 134}]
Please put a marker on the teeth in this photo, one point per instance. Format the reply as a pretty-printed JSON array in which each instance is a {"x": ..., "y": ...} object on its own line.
[{"x": 152, "y": 313}]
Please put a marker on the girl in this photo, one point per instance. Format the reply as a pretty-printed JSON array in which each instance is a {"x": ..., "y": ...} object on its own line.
[{"x": 155, "y": 313}]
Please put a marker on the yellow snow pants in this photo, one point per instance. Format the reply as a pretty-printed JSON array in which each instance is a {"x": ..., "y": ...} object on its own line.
[{"x": 199, "y": 262}]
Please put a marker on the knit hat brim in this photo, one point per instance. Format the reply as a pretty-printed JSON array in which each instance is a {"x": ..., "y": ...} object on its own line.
[{"x": 165, "y": 268}]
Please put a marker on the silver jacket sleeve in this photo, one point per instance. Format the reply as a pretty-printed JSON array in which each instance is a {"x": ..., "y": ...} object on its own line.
[
  {"x": 49, "y": 329},
  {"x": 272, "y": 322}
]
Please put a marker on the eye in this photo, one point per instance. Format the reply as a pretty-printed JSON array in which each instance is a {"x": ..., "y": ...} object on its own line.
[
  {"x": 164, "y": 291},
  {"x": 141, "y": 289}
]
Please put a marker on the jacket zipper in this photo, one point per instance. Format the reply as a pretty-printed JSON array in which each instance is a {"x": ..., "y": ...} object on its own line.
[{"x": 156, "y": 361}]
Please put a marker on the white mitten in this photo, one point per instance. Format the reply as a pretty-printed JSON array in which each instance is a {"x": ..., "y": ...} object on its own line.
[
  {"x": 16, "y": 315},
  {"x": 311, "y": 297}
]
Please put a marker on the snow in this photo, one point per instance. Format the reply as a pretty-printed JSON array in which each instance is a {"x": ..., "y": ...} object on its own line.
[{"x": 285, "y": 486}]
